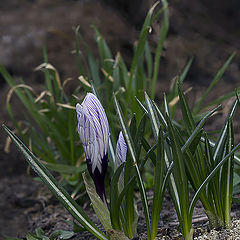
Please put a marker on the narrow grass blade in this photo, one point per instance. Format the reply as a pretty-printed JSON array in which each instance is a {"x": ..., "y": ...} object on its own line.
[
  {"x": 24, "y": 99},
  {"x": 126, "y": 131},
  {"x": 116, "y": 76},
  {"x": 166, "y": 179},
  {"x": 142, "y": 106},
  {"x": 140, "y": 135},
  {"x": 77, "y": 49},
  {"x": 123, "y": 72},
  {"x": 162, "y": 37},
  {"x": 161, "y": 116},
  {"x": 212, "y": 144},
  {"x": 94, "y": 69},
  {"x": 149, "y": 61},
  {"x": 112, "y": 148},
  {"x": 227, "y": 178},
  {"x": 48, "y": 82},
  {"x": 158, "y": 185},
  {"x": 173, "y": 94},
  {"x": 168, "y": 160},
  {"x": 65, "y": 169},
  {"x": 140, "y": 47},
  {"x": 191, "y": 166},
  {"x": 198, "y": 128},
  {"x": 223, "y": 133},
  {"x": 131, "y": 182},
  {"x": 128, "y": 205},
  {"x": 187, "y": 115},
  {"x": 214, "y": 187},
  {"x": 133, "y": 126},
  {"x": 216, "y": 79},
  {"x": 149, "y": 153},
  {"x": 153, "y": 116},
  {"x": 219, "y": 100},
  {"x": 55, "y": 187},
  {"x": 190, "y": 126},
  {"x": 238, "y": 96},
  {"x": 180, "y": 178},
  {"x": 210, "y": 176},
  {"x": 132, "y": 153},
  {"x": 104, "y": 51},
  {"x": 166, "y": 106},
  {"x": 185, "y": 70},
  {"x": 41, "y": 119},
  {"x": 114, "y": 199}
]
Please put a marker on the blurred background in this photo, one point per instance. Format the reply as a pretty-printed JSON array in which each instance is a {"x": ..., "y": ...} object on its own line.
[{"x": 209, "y": 30}]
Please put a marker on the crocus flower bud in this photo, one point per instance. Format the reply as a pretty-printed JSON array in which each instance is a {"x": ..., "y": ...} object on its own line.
[
  {"x": 121, "y": 154},
  {"x": 121, "y": 150},
  {"x": 93, "y": 129}
]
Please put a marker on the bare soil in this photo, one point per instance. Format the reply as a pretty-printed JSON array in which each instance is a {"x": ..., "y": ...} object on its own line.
[{"x": 207, "y": 30}]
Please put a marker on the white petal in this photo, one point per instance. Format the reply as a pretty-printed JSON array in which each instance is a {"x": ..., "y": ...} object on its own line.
[{"x": 93, "y": 130}]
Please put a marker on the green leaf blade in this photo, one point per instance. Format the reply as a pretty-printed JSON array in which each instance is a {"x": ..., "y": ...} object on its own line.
[
  {"x": 158, "y": 185},
  {"x": 132, "y": 152},
  {"x": 56, "y": 188}
]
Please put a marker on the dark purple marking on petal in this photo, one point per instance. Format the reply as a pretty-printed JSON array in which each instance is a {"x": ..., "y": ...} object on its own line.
[{"x": 98, "y": 177}]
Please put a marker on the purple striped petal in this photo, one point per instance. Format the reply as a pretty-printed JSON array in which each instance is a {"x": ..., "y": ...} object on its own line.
[
  {"x": 93, "y": 130},
  {"x": 121, "y": 150}
]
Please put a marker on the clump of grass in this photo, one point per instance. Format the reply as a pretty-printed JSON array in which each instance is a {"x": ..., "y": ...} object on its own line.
[
  {"x": 47, "y": 123},
  {"x": 47, "y": 126},
  {"x": 177, "y": 161},
  {"x": 180, "y": 153}
]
